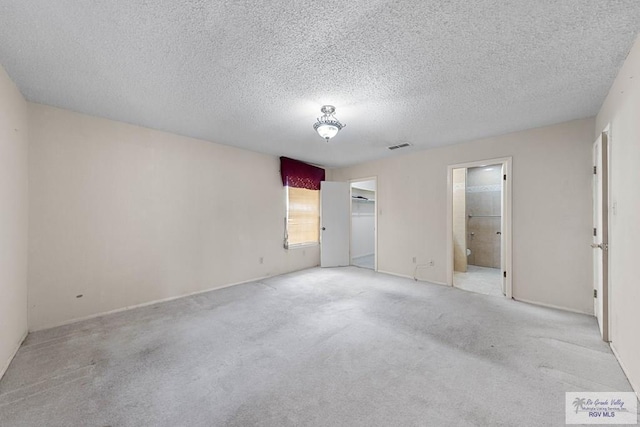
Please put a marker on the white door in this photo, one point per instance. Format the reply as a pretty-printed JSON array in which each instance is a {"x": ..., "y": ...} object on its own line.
[
  {"x": 335, "y": 215},
  {"x": 600, "y": 243}
]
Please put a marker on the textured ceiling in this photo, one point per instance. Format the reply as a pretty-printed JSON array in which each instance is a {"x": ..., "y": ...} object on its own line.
[{"x": 255, "y": 73}]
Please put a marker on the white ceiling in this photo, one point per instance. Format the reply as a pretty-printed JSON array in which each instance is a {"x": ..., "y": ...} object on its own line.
[
  {"x": 364, "y": 185},
  {"x": 255, "y": 73}
]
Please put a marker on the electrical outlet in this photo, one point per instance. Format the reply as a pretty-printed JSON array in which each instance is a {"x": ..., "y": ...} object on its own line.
[
  {"x": 414, "y": 260},
  {"x": 261, "y": 260},
  {"x": 304, "y": 252}
]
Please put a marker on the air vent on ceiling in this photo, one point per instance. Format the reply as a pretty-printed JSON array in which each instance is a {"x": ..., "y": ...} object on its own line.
[{"x": 395, "y": 147}]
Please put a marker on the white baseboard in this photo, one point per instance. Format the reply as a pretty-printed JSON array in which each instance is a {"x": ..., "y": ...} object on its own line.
[
  {"x": 412, "y": 278},
  {"x": 362, "y": 256},
  {"x": 145, "y": 304},
  {"x": 557, "y": 307},
  {"x": 635, "y": 387},
  {"x": 4, "y": 368},
  {"x": 436, "y": 283},
  {"x": 395, "y": 274}
]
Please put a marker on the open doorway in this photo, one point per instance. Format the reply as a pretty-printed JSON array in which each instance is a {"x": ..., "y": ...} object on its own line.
[
  {"x": 479, "y": 227},
  {"x": 363, "y": 223}
]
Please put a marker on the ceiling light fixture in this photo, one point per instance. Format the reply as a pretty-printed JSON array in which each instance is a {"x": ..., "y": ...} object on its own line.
[{"x": 328, "y": 126}]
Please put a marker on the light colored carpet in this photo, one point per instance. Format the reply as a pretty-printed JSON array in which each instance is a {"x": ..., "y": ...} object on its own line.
[
  {"x": 367, "y": 261},
  {"x": 320, "y": 347},
  {"x": 482, "y": 280}
]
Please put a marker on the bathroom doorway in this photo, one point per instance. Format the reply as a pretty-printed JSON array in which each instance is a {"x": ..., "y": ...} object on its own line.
[
  {"x": 363, "y": 223},
  {"x": 479, "y": 220}
]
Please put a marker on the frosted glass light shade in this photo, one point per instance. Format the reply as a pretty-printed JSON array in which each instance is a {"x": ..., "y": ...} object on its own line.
[{"x": 327, "y": 131}]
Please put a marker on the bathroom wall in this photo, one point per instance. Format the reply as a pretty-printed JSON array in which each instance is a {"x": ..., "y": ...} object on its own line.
[
  {"x": 483, "y": 206},
  {"x": 459, "y": 220}
]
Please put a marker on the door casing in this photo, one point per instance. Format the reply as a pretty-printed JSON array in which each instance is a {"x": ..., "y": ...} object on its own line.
[
  {"x": 506, "y": 243},
  {"x": 600, "y": 240}
]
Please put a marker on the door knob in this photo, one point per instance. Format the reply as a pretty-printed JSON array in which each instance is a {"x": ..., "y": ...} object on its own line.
[{"x": 323, "y": 228}]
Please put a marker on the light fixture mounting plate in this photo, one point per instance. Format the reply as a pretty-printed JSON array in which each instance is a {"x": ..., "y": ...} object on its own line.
[{"x": 328, "y": 109}]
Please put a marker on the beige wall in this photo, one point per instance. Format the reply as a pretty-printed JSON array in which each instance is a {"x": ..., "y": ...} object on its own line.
[
  {"x": 551, "y": 210},
  {"x": 459, "y": 220},
  {"x": 621, "y": 110},
  {"x": 124, "y": 215},
  {"x": 13, "y": 219}
]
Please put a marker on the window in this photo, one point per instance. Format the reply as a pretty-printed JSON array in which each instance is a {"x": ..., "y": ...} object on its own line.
[
  {"x": 303, "y": 216},
  {"x": 302, "y": 188}
]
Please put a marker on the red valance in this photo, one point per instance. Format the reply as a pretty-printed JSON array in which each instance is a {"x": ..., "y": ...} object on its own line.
[{"x": 300, "y": 175}]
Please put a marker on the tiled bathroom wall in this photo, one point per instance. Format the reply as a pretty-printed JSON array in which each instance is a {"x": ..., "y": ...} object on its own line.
[
  {"x": 483, "y": 208},
  {"x": 459, "y": 220}
]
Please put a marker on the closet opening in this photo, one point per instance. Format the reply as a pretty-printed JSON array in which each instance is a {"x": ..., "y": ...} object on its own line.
[{"x": 363, "y": 224}]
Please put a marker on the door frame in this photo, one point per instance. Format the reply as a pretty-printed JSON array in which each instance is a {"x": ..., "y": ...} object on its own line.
[
  {"x": 605, "y": 234},
  {"x": 375, "y": 219},
  {"x": 507, "y": 220}
]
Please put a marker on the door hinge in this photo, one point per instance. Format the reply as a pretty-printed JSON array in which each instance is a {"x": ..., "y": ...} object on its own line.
[
  {"x": 595, "y": 293},
  {"x": 504, "y": 274},
  {"x": 504, "y": 177},
  {"x": 595, "y": 231},
  {"x": 595, "y": 170}
]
